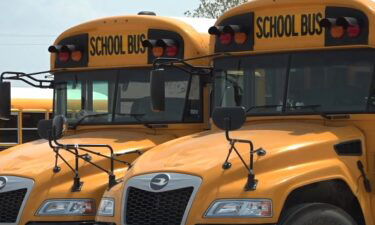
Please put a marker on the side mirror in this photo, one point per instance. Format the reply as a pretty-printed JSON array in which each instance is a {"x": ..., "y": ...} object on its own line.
[
  {"x": 45, "y": 129},
  {"x": 5, "y": 100},
  {"x": 157, "y": 88},
  {"x": 229, "y": 118},
  {"x": 59, "y": 126}
]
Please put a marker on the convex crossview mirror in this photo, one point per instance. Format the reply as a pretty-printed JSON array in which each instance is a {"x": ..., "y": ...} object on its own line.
[
  {"x": 54, "y": 129},
  {"x": 44, "y": 129},
  {"x": 59, "y": 127},
  {"x": 157, "y": 88},
  {"x": 229, "y": 118},
  {"x": 5, "y": 101}
]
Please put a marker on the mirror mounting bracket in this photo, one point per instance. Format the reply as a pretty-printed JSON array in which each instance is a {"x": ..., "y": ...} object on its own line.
[
  {"x": 233, "y": 118},
  {"x": 165, "y": 62},
  {"x": 74, "y": 149},
  {"x": 252, "y": 183},
  {"x": 28, "y": 79},
  {"x": 189, "y": 68}
]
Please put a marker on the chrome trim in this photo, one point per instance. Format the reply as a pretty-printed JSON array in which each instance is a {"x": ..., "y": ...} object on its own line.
[
  {"x": 16, "y": 183},
  {"x": 177, "y": 181}
]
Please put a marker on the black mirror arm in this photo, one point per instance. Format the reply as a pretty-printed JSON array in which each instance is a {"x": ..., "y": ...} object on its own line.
[
  {"x": 170, "y": 61},
  {"x": 251, "y": 184},
  {"x": 28, "y": 79},
  {"x": 189, "y": 68},
  {"x": 74, "y": 149}
]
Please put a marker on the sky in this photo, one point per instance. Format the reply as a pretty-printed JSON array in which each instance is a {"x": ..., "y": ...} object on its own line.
[{"x": 28, "y": 27}]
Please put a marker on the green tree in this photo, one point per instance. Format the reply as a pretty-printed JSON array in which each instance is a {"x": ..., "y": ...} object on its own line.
[{"x": 213, "y": 8}]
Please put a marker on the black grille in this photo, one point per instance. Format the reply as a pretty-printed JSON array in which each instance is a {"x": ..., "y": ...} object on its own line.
[
  {"x": 10, "y": 204},
  {"x": 162, "y": 208}
]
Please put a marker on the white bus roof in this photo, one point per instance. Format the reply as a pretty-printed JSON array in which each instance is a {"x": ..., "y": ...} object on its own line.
[{"x": 31, "y": 93}]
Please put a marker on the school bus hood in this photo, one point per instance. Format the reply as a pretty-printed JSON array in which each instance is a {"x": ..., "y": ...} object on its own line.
[
  {"x": 36, "y": 159},
  {"x": 286, "y": 143}
]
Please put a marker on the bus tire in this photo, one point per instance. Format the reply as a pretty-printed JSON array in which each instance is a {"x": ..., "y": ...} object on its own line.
[{"x": 316, "y": 214}]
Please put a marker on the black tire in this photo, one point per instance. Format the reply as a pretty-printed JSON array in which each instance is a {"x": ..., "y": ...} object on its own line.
[{"x": 316, "y": 214}]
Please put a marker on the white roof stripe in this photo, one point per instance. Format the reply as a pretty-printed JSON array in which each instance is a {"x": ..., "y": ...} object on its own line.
[{"x": 31, "y": 93}]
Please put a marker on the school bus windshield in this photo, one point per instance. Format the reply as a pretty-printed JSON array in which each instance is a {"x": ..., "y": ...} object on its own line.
[
  {"x": 300, "y": 83},
  {"x": 119, "y": 97}
]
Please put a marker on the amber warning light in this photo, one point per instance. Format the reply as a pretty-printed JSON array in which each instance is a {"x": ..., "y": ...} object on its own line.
[
  {"x": 67, "y": 52},
  {"x": 162, "y": 47},
  {"x": 229, "y": 34}
]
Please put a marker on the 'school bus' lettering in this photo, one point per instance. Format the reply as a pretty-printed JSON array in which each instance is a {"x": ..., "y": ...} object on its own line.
[
  {"x": 288, "y": 28},
  {"x": 286, "y": 25},
  {"x": 117, "y": 45}
]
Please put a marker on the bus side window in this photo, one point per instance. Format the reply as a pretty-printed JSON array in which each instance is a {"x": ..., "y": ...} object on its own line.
[
  {"x": 29, "y": 125},
  {"x": 9, "y": 130},
  {"x": 194, "y": 106},
  {"x": 100, "y": 97},
  {"x": 74, "y": 98}
]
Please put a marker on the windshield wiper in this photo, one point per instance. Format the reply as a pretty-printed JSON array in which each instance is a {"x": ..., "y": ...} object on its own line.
[
  {"x": 136, "y": 117},
  {"x": 313, "y": 107},
  {"x": 262, "y": 107},
  {"x": 76, "y": 124}
]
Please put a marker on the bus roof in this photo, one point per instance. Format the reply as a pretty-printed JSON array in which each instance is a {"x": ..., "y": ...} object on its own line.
[
  {"x": 256, "y": 4},
  {"x": 31, "y": 99},
  {"x": 285, "y": 25},
  {"x": 31, "y": 93},
  {"x": 200, "y": 24},
  {"x": 117, "y": 41}
]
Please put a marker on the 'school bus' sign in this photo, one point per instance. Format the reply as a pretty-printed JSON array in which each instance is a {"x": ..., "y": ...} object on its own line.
[
  {"x": 118, "y": 48},
  {"x": 288, "y": 28}
]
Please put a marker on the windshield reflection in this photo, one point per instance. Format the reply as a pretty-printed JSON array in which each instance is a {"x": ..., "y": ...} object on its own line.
[
  {"x": 123, "y": 97},
  {"x": 301, "y": 83}
]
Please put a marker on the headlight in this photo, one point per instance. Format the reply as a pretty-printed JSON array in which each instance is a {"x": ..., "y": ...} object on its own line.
[
  {"x": 249, "y": 208},
  {"x": 67, "y": 207},
  {"x": 107, "y": 207}
]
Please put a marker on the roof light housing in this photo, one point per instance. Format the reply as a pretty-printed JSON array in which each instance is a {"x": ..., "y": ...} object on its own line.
[
  {"x": 230, "y": 33},
  {"x": 327, "y": 22},
  {"x": 63, "y": 56},
  {"x": 54, "y": 48},
  {"x": 158, "y": 51},
  {"x": 341, "y": 26},
  {"x": 149, "y": 43},
  {"x": 69, "y": 48},
  {"x": 163, "y": 43},
  {"x": 226, "y": 38},
  {"x": 216, "y": 30},
  {"x": 351, "y": 25},
  {"x": 232, "y": 29},
  {"x": 161, "y": 47},
  {"x": 76, "y": 56}
]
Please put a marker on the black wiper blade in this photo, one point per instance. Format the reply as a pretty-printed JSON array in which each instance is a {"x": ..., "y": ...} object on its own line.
[
  {"x": 313, "y": 107},
  {"x": 262, "y": 107},
  {"x": 303, "y": 106},
  {"x": 76, "y": 124},
  {"x": 136, "y": 117},
  {"x": 130, "y": 114}
]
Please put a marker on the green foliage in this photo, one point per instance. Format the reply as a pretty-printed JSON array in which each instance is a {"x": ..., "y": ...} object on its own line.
[{"x": 213, "y": 8}]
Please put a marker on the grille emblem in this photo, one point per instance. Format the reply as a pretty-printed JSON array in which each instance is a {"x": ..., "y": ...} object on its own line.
[
  {"x": 3, "y": 182},
  {"x": 159, "y": 182}
]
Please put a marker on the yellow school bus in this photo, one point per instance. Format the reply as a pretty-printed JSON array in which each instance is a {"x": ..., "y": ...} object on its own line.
[
  {"x": 101, "y": 93},
  {"x": 28, "y": 107},
  {"x": 294, "y": 137}
]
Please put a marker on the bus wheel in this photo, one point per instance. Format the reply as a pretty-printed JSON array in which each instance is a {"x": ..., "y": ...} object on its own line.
[{"x": 316, "y": 214}]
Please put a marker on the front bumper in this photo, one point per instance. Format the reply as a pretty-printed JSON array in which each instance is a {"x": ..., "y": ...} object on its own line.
[
  {"x": 63, "y": 223},
  {"x": 101, "y": 223}
]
